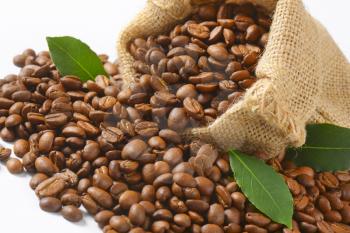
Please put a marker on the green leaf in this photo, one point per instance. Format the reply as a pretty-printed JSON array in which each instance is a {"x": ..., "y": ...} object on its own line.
[
  {"x": 73, "y": 57},
  {"x": 327, "y": 148},
  {"x": 264, "y": 187}
]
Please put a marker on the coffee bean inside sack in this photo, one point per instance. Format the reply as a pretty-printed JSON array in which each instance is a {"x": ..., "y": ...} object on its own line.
[{"x": 118, "y": 154}]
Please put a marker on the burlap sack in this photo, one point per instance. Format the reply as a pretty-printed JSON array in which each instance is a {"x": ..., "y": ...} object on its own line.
[{"x": 303, "y": 78}]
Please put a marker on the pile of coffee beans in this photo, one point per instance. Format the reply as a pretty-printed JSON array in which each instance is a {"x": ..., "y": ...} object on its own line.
[{"x": 118, "y": 153}]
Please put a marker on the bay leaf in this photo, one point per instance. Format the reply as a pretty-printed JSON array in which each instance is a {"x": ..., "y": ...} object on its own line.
[
  {"x": 263, "y": 186},
  {"x": 327, "y": 148},
  {"x": 73, "y": 57}
]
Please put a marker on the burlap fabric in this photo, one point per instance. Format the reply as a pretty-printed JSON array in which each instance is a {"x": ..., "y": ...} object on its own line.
[{"x": 303, "y": 78}]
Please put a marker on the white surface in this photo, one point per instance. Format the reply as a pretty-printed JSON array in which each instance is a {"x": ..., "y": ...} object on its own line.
[{"x": 25, "y": 24}]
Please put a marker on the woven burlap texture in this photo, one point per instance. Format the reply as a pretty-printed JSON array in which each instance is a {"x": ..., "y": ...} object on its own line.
[{"x": 303, "y": 78}]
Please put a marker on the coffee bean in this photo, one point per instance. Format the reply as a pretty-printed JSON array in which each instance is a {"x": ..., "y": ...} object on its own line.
[
  {"x": 21, "y": 147},
  {"x": 5, "y": 154},
  {"x": 177, "y": 119},
  {"x": 72, "y": 213},
  {"x": 71, "y": 199},
  {"x": 253, "y": 33},
  {"x": 56, "y": 119},
  {"x": 45, "y": 165},
  {"x": 306, "y": 180},
  {"x": 103, "y": 217},
  {"x": 182, "y": 220},
  {"x": 345, "y": 213},
  {"x": 328, "y": 180},
  {"x": 254, "y": 228},
  {"x": 238, "y": 200},
  {"x": 46, "y": 142},
  {"x": 257, "y": 219},
  {"x": 102, "y": 181},
  {"x": 90, "y": 205},
  {"x": 216, "y": 214},
  {"x": 73, "y": 131},
  {"x": 101, "y": 197},
  {"x": 346, "y": 192},
  {"x": 170, "y": 135},
  {"x": 6, "y": 103},
  {"x": 184, "y": 180},
  {"x": 13, "y": 120},
  {"x": 134, "y": 149},
  {"x": 197, "y": 205},
  {"x": 14, "y": 166},
  {"x": 146, "y": 128},
  {"x": 128, "y": 198},
  {"x": 324, "y": 227},
  {"x": 218, "y": 52},
  {"x": 211, "y": 228},
  {"x": 91, "y": 151},
  {"x": 137, "y": 214},
  {"x": 120, "y": 223},
  {"x": 193, "y": 108},
  {"x": 50, "y": 204},
  {"x": 199, "y": 31}
]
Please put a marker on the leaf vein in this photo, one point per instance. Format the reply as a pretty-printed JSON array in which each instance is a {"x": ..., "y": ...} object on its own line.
[
  {"x": 263, "y": 187},
  {"x": 67, "y": 53}
]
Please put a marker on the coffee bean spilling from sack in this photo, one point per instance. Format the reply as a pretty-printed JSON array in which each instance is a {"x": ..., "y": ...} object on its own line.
[{"x": 119, "y": 155}]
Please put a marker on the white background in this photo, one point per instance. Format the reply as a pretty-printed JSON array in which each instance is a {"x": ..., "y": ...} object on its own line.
[{"x": 26, "y": 23}]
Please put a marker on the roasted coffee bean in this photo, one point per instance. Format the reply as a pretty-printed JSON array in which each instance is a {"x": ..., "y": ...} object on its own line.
[
  {"x": 146, "y": 128},
  {"x": 333, "y": 216},
  {"x": 173, "y": 156},
  {"x": 7, "y": 135},
  {"x": 177, "y": 119},
  {"x": 199, "y": 31},
  {"x": 90, "y": 205},
  {"x": 50, "y": 204},
  {"x": 211, "y": 228},
  {"x": 187, "y": 90},
  {"x": 134, "y": 149},
  {"x": 14, "y": 166},
  {"x": 20, "y": 147},
  {"x": 45, "y": 165},
  {"x": 193, "y": 108},
  {"x": 103, "y": 217},
  {"x": 73, "y": 131},
  {"x": 137, "y": 214},
  {"x": 218, "y": 52},
  {"x": 71, "y": 213},
  {"x": 197, "y": 205},
  {"x": 37, "y": 179},
  {"x": 216, "y": 214},
  {"x": 5, "y": 154},
  {"x": 346, "y": 192},
  {"x": 120, "y": 223},
  {"x": 328, "y": 180},
  {"x": 56, "y": 119},
  {"x": 257, "y": 219},
  {"x": 182, "y": 220},
  {"x": 102, "y": 197},
  {"x": 13, "y": 120},
  {"x": 128, "y": 198},
  {"x": 6, "y": 103},
  {"x": 102, "y": 181},
  {"x": 46, "y": 142},
  {"x": 254, "y": 228},
  {"x": 71, "y": 199},
  {"x": 91, "y": 151},
  {"x": 238, "y": 200}
]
